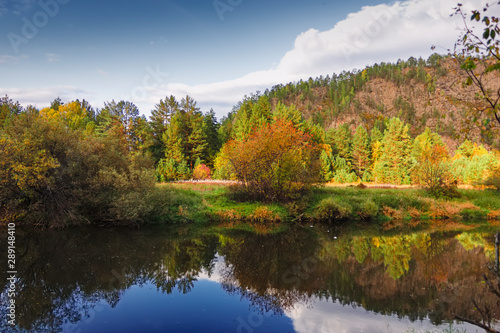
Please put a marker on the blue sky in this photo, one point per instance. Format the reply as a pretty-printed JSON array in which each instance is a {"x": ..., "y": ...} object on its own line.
[{"x": 215, "y": 51}]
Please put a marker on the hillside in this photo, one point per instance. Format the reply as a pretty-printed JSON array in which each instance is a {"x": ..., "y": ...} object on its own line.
[{"x": 423, "y": 93}]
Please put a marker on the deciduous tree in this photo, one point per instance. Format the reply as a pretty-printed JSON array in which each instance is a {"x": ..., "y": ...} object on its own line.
[{"x": 275, "y": 161}]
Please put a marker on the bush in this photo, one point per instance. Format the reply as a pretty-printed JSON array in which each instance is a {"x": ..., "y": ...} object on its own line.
[
  {"x": 473, "y": 214},
  {"x": 169, "y": 170},
  {"x": 494, "y": 176},
  {"x": 432, "y": 172},
  {"x": 201, "y": 171},
  {"x": 368, "y": 209},
  {"x": 53, "y": 175},
  {"x": 331, "y": 209}
]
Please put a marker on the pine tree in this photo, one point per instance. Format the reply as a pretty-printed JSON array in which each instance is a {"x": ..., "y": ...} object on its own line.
[
  {"x": 196, "y": 140},
  {"x": 375, "y": 144},
  {"x": 342, "y": 141},
  {"x": 160, "y": 119},
  {"x": 184, "y": 139},
  {"x": 174, "y": 137},
  {"x": 126, "y": 113},
  {"x": 361, "y": 151},
  {"x": 395, "y": 161},
  {"x": 243, "y": 125},
  {"x": 210, "y": 130},
  {"x": 289, "y": 113}
]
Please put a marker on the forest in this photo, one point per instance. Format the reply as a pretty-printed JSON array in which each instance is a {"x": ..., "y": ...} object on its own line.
[{"x": 74, "y": 162}]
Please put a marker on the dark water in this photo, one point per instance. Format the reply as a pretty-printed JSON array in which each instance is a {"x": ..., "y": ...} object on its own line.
[{"x": 158, "y": 280}]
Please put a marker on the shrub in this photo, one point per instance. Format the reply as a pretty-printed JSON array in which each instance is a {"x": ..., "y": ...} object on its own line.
[
  {"x": 201, "y": 171},
  {"x": 332, "y": 209},
  {"x": 53, "y": 175},
  {"x": 169, "y": 170},
  {"x": 432, "y": 172},
  {"x": 494, "y": 175},
  {"x": 368, "y": 209},
  {"x": 473, "y": 214}
]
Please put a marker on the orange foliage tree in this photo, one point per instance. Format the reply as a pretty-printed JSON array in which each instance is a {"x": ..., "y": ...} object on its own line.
[
  {"x": 275, "y": 162},
  {"x": 201, "y": 172}
]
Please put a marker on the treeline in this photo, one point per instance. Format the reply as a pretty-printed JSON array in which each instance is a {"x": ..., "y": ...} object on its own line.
[
  {"x": 384, "y": 153},
  {"x": 73, "y": 162},
  {"x": 326, "y": 97}
]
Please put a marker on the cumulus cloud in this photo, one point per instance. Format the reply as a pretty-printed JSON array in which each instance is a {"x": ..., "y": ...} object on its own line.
[
  {"x": 382, "y": 33},
  {"x": 41, "y": 97}
]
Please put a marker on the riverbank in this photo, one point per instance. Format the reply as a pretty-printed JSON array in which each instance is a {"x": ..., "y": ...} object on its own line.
[{"x": 388, "y": 208}]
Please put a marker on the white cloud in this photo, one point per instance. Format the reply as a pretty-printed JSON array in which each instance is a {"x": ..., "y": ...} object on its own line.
[
  {"x": 9, "y": 59},
  {"x": 103, "y": 73},
  {"x": 52, "y": 57},
  {"x": 382, "y": 33},
  {"x": 326, "y": 316},
  {"x": 42, "y": 97}
]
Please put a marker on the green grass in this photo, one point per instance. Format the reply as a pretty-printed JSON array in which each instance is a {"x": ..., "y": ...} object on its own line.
[{"x": 215, "y": 206}]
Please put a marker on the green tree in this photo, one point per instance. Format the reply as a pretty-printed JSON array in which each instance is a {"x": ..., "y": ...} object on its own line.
[
  {"x": 424, "y": 142},
  {"x": 342, "y": 142},
  {"x": 211, "y": 134},
  {"x": 160, "y": 119},
  {"x": 361, "y": 151},
  {"x": 8, "y": 108},
  {"x": 395, "y": 162},
  {"x": 184, "y": 138},
  {"x": 225, "y": 130},
  {"x": 127, "y": 114}
]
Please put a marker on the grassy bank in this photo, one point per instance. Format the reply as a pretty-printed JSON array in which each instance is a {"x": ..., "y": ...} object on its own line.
[{"x": 212, "y": 204}]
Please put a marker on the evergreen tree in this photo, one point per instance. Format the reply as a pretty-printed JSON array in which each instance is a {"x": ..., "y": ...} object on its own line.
[
  {"x": 126, "y": 113},
  {"x": 361, "y": 151},
  {"x": 160, "y": 119},
  {"x": 175, "y": 136},
  {"x": 184, "y": 139},
  {"x": 289, "y": 113},
  {"x": 225, "y": 130},
  {"x": 196, "y": 140},
  {"x": 342, "y": 141},
  {"x": 395, "y": 162},
  {"x": 210, "y": 131},
  {"x": 261, "y": 112},
  {"x": 243, "y": 125},
  {"x": 376, "y": 137}
]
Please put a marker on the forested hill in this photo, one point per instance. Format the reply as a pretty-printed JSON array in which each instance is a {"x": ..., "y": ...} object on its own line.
[{"x": 423, "y": 93}]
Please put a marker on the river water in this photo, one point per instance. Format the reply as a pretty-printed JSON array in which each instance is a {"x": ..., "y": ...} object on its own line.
[{"x": 304, "y": 280}]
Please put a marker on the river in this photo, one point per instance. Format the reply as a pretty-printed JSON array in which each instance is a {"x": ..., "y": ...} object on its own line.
[{"x": 157, "y": 279}]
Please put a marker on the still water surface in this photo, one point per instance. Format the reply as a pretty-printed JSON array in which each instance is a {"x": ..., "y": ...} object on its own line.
[{"x": 159, "y": 280}]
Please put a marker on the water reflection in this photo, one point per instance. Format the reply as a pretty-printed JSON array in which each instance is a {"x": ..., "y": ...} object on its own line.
[{"x": 64, "y": 276}]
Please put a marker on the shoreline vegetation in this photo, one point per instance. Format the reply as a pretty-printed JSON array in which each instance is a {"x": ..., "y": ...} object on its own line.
[{"x": 384, "y": 206}]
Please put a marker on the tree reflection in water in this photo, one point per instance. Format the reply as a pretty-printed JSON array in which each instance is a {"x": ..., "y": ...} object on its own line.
[{"x": 64, "y": 275}]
